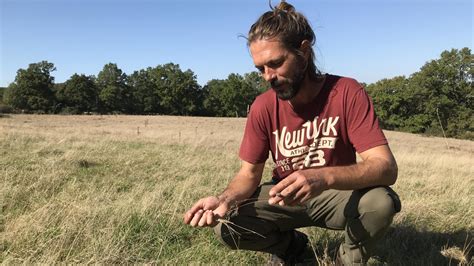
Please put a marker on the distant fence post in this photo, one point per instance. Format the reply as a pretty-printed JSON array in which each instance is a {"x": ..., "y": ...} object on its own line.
[{"x": 442, "y": 129}]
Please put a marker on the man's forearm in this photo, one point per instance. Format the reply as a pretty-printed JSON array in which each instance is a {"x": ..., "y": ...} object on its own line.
[
  {"x": 241, "y": 187},
  {"x": 377, "y": 168},
  {"x": 373, "y": 172}
]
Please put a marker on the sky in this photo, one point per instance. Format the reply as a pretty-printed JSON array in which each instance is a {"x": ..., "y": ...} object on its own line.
[{"x": 365, "y": 39}]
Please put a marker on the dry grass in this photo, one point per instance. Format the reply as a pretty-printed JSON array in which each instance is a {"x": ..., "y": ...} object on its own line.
[{"x": 112, "y": 189}]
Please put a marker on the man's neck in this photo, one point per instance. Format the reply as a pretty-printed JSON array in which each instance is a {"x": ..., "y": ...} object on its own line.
[{"x": 309, "y": 90}]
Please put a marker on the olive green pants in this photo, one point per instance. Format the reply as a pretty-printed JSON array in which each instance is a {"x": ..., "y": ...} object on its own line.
[{"x": 364, "y": 215}]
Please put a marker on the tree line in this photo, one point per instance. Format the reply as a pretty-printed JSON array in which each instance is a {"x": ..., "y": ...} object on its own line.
[
  {"x": 436, "y": 100},
  {"x": 164, "y": 89}
]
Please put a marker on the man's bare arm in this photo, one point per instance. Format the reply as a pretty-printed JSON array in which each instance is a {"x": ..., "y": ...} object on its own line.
[
  {"x": 378, "y": 167},
  {"x": 244, "y": 184}
]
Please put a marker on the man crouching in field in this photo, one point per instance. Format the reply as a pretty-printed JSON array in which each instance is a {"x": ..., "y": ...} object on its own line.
[{"x": 312, "y": 124}]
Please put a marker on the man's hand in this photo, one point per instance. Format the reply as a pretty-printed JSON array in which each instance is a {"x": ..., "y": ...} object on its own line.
[
  {"x": 205, "y": 212},
  {"x": 298, "y": 187}
]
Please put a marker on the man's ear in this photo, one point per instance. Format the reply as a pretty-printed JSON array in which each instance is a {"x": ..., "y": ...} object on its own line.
[{"x": 305, "y": 47}]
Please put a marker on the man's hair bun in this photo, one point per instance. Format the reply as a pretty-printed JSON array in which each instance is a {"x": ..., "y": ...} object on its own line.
[{"x": 284, "y": 6}]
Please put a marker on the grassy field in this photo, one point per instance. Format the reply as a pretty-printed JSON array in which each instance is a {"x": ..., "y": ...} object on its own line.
[{"x": 112, "y": 189}]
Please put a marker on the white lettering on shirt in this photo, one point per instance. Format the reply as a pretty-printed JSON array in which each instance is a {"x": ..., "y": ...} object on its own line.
[{"x": 290, "y": 144}]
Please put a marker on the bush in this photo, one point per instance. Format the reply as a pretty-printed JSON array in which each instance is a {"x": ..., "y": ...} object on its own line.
[{"x": 5, "y": 109}]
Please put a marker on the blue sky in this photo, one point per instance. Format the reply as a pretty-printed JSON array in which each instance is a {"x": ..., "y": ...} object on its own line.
[{"x": 364, "y": 39}]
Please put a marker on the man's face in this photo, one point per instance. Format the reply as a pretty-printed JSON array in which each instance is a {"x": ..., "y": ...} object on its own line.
[{"x": 284, "y": 70}]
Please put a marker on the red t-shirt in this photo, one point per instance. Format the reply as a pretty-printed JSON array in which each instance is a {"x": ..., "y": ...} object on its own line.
[{"x": 326, "y": 132}]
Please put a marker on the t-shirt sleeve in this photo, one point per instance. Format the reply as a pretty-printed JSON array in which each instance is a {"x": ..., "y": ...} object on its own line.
[
  {"x": 363, "y": 127},
  {"x": 255, "y": 143}
]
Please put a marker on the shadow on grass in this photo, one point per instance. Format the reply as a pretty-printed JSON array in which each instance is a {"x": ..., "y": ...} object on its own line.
[{"x": 407, "y": 245}]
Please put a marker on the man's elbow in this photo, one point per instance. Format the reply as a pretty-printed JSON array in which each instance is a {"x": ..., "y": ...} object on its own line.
[{"x": 392, "y": 172}]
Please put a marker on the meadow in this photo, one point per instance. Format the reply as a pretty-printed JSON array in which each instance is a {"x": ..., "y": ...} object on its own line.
[{"x": 113, "y": 189}]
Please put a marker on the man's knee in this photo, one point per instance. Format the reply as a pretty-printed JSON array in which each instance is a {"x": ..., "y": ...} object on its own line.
[
  {"x": 369, "y": 213},
  {"x": 377, "y": 206},
  {"x": 373, "y": 208},
  {"x": 262, "y": 236},
  {"x": 224, "y": 236},
  {"x": 236, "y": 238}
]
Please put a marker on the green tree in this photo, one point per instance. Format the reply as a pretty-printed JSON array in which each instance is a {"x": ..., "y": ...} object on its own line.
[
  {"x": 444, "y": 91},
  {"x": 78, "y": 94},
  {"x": 2, "y": 91},
  {"x": 3, "y": 107},
  {"x": 32, "y": 90},
  {"x": 256, "y": 82},
  {"x": 230, "y": 97},
  {"x": 114, "y": 94},
  {"x": 437, "y": 98},
  {"x": 145, "y": 93},
  {"x": 389, "y": 102},
  {"x": 212, "y": 103},
  {"x": 178, "y": 91}
]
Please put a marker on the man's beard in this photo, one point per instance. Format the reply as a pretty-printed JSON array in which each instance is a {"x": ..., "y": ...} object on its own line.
[{"x": 293, "y": 85}]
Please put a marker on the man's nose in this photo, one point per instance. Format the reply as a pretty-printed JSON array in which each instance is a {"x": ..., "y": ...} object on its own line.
[{"x": 269, "y": 74}]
